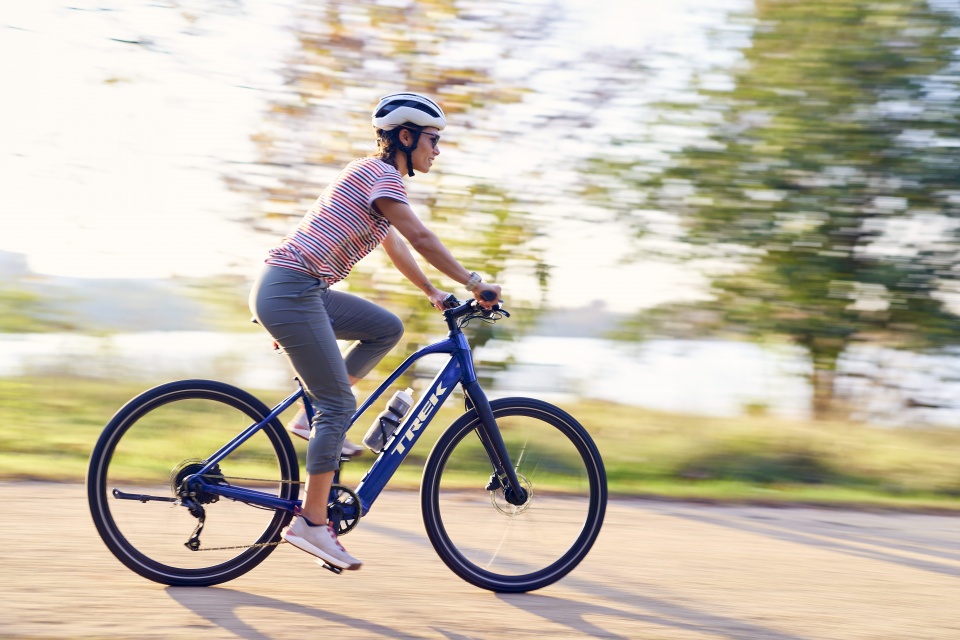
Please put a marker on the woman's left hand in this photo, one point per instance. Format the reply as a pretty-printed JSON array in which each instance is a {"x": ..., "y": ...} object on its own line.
[{"x": 437, "y": 297}]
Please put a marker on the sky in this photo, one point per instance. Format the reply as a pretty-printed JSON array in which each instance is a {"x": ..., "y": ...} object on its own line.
[{"x": 112, "y": 154}]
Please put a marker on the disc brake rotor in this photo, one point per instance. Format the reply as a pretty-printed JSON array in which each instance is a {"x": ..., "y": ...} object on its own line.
[{"x": 500, "y": 502}]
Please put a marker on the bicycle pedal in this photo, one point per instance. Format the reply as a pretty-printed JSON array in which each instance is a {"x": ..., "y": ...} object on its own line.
[{"x": 329, "y": 567}]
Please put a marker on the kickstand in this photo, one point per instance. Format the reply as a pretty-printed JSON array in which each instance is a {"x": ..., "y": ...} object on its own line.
[{"x": 329, "y": 567}]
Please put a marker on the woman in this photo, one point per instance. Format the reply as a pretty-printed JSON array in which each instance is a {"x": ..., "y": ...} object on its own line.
[{"x": 365, "y": 206}]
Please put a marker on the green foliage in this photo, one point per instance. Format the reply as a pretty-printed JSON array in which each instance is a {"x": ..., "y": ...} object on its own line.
[
  {"x": 484, "y": 229},
  {"x": 747, "y": 464},
  {"x": 828, "y": 180},
  {"x": 645, "y": 452},
  {"x": 352, "y": 52}
]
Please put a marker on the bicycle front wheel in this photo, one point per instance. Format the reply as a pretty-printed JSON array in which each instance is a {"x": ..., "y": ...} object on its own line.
[
  {"x": 513, "y": 548},
  {"x": 162, "y": 437}
]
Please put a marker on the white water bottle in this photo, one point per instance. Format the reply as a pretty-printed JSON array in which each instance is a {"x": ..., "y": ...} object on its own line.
[{"x": 388, "y": 420}]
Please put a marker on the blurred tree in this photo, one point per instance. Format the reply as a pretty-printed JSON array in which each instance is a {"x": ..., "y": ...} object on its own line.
[
  {"x": 351, "y": 52},
  {"x": 828, "y": 178}
]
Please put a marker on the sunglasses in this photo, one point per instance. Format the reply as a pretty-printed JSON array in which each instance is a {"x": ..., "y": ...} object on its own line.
[{"x": 434, "y": 138}]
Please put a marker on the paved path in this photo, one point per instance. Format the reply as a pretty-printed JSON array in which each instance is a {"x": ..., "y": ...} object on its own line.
[{"x": 658, "y": 571}]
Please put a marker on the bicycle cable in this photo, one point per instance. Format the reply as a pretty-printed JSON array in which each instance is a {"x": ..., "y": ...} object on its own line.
[{"x": 490, "y": 317}]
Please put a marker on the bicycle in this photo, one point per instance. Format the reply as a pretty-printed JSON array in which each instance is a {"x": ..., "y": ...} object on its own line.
[{"x": 208, "y": 456}]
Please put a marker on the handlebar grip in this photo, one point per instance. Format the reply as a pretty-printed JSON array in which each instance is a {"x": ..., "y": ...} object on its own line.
[{"x": 488, "y": 296}]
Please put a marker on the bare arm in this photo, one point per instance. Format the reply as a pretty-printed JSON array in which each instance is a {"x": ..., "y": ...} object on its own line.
[
  {"x": 427, "y": 244},
  {"x": 405, "y": 263}
]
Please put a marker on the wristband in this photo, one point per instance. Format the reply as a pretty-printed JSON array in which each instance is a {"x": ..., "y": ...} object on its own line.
[{"x": 472, "y": 282}]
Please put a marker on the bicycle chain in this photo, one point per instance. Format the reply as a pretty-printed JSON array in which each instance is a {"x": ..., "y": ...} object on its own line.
[
  {"x": 258, "y": 544},
  {"x": 243, "y": 546},
  {"x": 215, "y": 477},
  {"x": 255, "y": 545}
]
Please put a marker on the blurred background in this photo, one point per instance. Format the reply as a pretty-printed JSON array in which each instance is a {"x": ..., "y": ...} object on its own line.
[{"x": 723, "y": 223}]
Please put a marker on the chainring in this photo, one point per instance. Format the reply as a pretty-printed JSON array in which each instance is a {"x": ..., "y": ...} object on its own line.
[{"x": 343, "y": 510}]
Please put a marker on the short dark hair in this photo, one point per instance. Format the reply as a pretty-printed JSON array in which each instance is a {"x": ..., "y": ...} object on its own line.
[{"x": 388, "y": 143}]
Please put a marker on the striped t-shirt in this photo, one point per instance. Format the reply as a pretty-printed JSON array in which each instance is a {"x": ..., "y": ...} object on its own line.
[{"x": 341, "y": 227}]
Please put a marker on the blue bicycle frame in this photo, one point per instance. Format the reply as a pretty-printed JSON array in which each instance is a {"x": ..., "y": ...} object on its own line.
[{"x": 459, "y": 369}]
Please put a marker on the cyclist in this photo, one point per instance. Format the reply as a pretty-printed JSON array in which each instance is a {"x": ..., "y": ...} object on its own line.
[{"x": 365, "y": 206}]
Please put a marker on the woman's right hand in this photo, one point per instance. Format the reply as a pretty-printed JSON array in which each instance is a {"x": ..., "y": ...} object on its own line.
[
  {"x": 478, "y": 294},
  {"x": 437, "y": 298}
]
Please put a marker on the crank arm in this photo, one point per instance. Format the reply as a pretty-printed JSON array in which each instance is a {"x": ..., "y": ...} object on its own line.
[{"x": 120, "y": 495}]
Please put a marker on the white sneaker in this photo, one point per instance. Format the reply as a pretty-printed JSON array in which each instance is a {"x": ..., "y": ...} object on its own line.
[
  {"x": 299, "y": 425},
  {"x": 301, "y": 428},
  {"x": 350, "y": 449},
  {"x": 321, "y": 542}
]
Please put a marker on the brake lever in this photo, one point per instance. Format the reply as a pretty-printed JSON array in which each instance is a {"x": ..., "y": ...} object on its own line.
[{"x": 488, "y": 313}]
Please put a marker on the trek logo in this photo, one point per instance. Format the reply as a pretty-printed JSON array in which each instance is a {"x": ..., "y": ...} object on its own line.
[{"x": 422, "y": 418}]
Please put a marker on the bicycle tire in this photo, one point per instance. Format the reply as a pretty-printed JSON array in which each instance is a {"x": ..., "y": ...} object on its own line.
[
  {"x": 178, "y": 424},
  {"x": 506, "y": 548}
]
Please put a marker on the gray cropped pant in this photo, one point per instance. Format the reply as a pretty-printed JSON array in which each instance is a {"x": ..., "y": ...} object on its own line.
[{"x": 306, "y": 318}]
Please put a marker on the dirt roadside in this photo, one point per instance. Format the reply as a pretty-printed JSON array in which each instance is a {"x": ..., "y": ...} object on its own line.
[{"x": 659, "y": 570}]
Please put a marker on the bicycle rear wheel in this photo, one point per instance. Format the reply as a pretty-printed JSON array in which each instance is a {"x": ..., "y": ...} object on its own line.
[
  {"x": 502, "y": 547},
  {"x": 158, "y": 439}
]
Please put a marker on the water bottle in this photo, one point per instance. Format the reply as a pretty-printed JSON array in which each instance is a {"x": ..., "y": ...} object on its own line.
[{"x": 388, "y": 420}]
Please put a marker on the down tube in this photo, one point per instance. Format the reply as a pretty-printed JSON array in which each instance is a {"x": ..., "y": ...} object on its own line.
[{"x": 410, "y": 431}]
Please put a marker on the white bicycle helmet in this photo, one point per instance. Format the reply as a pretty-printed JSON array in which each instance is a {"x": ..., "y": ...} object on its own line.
[{"x": 398, "y": 109}]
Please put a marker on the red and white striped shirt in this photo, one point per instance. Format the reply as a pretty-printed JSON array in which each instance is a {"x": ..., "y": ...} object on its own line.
[{"x": 342, "y": 226}]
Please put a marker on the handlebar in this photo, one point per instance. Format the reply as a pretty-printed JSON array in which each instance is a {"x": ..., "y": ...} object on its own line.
[
  {"x": 454, "y": 308},
  {"x": 451, "y": 300}
]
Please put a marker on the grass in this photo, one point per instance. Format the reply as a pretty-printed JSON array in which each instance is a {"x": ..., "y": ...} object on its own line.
[{"x": 48, "y": 427}]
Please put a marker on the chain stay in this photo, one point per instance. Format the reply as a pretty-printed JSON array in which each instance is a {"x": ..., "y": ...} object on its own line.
[{"x": 341, "y": 488}]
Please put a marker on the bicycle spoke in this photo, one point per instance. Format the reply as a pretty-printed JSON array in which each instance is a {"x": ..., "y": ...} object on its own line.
[
  {"x": 507, "y": 547},
  {"x": 155, "y": 518}
]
